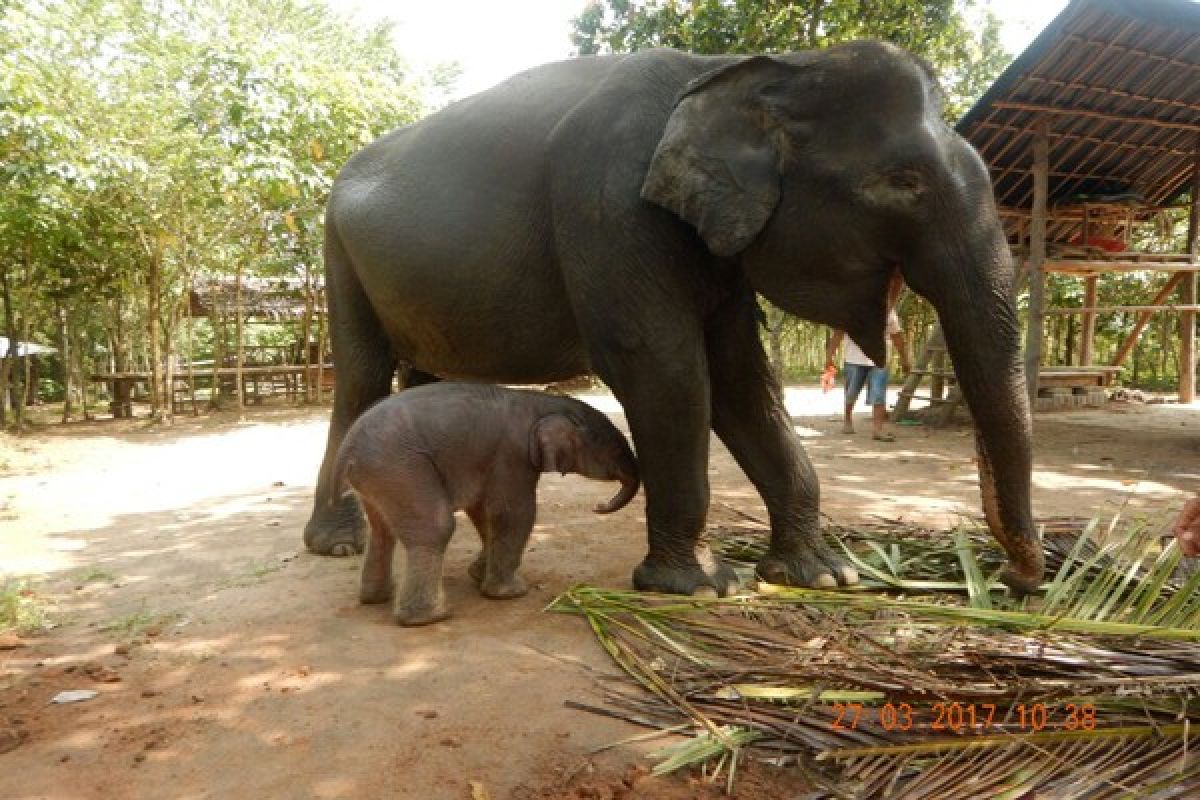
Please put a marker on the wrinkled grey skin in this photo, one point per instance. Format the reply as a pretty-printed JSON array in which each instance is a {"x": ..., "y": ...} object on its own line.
[
  {"x": 618, "y": 214},
  {"x": 420, "y": 455}
]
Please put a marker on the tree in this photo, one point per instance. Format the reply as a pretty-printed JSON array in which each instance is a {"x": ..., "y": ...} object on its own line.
[
  {"x": 143, "y": 144},
  {"x": 960, "y": 41}
]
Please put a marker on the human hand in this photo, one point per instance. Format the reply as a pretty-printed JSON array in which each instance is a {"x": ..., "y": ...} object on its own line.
[
  {"x": 1187, "y": 528},
  {"x": 827, "y": 377}
]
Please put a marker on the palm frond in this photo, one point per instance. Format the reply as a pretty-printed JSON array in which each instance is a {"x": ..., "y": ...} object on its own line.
[{"x": 1086, "y": 695}]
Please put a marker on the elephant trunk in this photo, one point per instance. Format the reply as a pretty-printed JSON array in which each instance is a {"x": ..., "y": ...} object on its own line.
[
  {"x": 629, "y": 488},
  {"x": 982, "y": 333}
]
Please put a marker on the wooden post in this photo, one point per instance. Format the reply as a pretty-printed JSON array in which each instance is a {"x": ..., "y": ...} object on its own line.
[
  {"x": 1037, "y": 255},
  {"x": 1088, "y": 334},
  {"x": 1187, "y": 319}
]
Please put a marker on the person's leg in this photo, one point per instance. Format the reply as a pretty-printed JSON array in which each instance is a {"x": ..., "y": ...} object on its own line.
[
  {"x": 856, "y": 377},
  {"x": 877, "y": 399}
]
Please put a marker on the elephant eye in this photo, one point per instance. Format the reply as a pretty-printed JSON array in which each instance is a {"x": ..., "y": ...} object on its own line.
[{"x": 904, "y": 180}]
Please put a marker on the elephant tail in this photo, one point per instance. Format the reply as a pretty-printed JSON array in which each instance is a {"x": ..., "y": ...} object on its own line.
[{"x": 343, "y": 471}]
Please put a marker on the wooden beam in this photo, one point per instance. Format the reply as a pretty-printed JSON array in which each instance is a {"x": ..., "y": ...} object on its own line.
[
  {"x": 1152, "y": 309},
  {"x": 1144, "y": 318},
  {"x": 1088, "y": 335},
  {"x": 1187, "y": 320},
  {"x": 1037, "y": 255},
  {"x": 1083, "y": 112}
]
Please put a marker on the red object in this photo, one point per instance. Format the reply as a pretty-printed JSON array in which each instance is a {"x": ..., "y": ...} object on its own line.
[
  {"x": 827, "y": 378},
  {"x": 1105, "y": 243}
]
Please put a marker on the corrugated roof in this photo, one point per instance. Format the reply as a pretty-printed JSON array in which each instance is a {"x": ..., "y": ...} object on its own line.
[{"x": 1122, "y": 81}]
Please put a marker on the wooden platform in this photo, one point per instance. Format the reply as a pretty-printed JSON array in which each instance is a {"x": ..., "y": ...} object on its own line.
[{"x": 258, "y": 382}]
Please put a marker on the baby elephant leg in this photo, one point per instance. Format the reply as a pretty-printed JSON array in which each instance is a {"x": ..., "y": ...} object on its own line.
[
  {"x": 415, "y": 509},
  {"x": 377, "y": 584},
  {"x": 505, "y": 533}
]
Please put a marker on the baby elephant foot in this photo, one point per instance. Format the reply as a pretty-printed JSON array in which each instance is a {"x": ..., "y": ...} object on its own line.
[
  {"x": 411, "y": 616},
  {"x": 373, "y": 593},
  {"x": 504, "y": 589}
]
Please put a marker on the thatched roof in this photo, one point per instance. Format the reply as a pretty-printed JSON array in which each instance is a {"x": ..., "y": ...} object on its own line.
[
  {"x": 263, "y": 299},
  {"x": 1120, "y": 80}
]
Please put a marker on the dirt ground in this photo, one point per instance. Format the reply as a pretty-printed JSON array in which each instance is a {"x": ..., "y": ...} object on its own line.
[{"x": 230, "y": 663}]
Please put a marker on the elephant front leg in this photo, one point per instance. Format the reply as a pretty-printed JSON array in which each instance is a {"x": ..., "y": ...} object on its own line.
[
  {"x": 505, "y": 532},
  {"x": 750, "y": 418},
  {"x": 666, "y": 400}
]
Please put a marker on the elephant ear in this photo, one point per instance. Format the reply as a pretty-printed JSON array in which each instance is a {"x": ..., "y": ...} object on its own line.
[
  {"x": 554, "y": 443},
  {"x": 716, "y": 165}
]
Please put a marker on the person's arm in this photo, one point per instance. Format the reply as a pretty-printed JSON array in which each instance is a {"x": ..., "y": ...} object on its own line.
[{"x": 835, "y": 341}]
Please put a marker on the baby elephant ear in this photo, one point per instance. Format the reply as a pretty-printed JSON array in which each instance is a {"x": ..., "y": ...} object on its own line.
[
  {"x": 715, "y": 166},
  {"x": 554, "y": 443}
]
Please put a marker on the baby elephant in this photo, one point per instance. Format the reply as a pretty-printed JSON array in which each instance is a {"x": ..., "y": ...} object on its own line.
[{"x": 420, "y": 455}]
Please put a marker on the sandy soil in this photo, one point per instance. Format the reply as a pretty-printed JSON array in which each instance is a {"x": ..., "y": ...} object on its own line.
[{"x": 230, "y": 663}]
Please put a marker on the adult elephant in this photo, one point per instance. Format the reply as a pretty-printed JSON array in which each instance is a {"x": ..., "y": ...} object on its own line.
[{"x": 618, "y": 214}]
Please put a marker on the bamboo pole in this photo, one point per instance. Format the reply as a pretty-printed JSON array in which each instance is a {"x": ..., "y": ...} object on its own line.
[
  {"x": 1037, "y": 256},
  {"x": 1187, "y": 320}
]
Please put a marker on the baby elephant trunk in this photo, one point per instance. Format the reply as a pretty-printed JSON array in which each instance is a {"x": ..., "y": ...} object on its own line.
[{"x": 629, "y": 488}]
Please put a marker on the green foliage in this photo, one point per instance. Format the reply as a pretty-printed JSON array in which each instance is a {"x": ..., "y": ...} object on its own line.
[
  {"x": 144, "y": 144},
  {"x": 22, "y": 609},
  {"x": 960, "y": 39}
]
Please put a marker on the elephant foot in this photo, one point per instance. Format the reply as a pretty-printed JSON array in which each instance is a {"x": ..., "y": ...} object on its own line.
[
  {"x": 812, "y": 564},
  {"x": 372, "y": 594},
  {"x": 504, "y": 589},
  {"x": 338, "y": 531},
  {"x": 413, "y": 616},
  {"x": 703, "y": 575}
]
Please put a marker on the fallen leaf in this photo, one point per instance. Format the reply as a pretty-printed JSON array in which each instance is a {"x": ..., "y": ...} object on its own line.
[{"x": 479, "y": 791}]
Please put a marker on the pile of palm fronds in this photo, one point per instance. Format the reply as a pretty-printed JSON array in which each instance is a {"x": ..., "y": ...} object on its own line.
[{"x": 949, "y": 691}]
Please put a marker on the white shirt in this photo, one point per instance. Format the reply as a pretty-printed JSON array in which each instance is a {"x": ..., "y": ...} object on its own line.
[{"x": 854, "y": 353}]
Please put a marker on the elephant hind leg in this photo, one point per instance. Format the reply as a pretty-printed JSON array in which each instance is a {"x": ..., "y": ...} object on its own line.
[
  {"x": 365, "y": 365},
  {"x": 414, "y": 507},
  {"x": 377, "y": 584}
]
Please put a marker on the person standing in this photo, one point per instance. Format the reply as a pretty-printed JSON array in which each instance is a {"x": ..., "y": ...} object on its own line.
[{"x": 859, "y": 370}]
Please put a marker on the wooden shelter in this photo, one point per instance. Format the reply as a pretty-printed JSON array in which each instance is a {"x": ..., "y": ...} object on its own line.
[{"x": 1090, "y": 135}]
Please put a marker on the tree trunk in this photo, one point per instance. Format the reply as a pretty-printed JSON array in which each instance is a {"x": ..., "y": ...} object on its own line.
[
  {"x": 240, "y": 343},
  {"x": 775, "y": 320},
  {"x": 306, "y": 332},
  {"x": 64, "y": 351},
  {"x": 9, "y": 358}
]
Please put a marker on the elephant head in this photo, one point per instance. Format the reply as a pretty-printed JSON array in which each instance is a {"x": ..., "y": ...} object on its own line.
[
  {"x": 820, "y": 173},
  {"x": 582, "y": 440}
]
